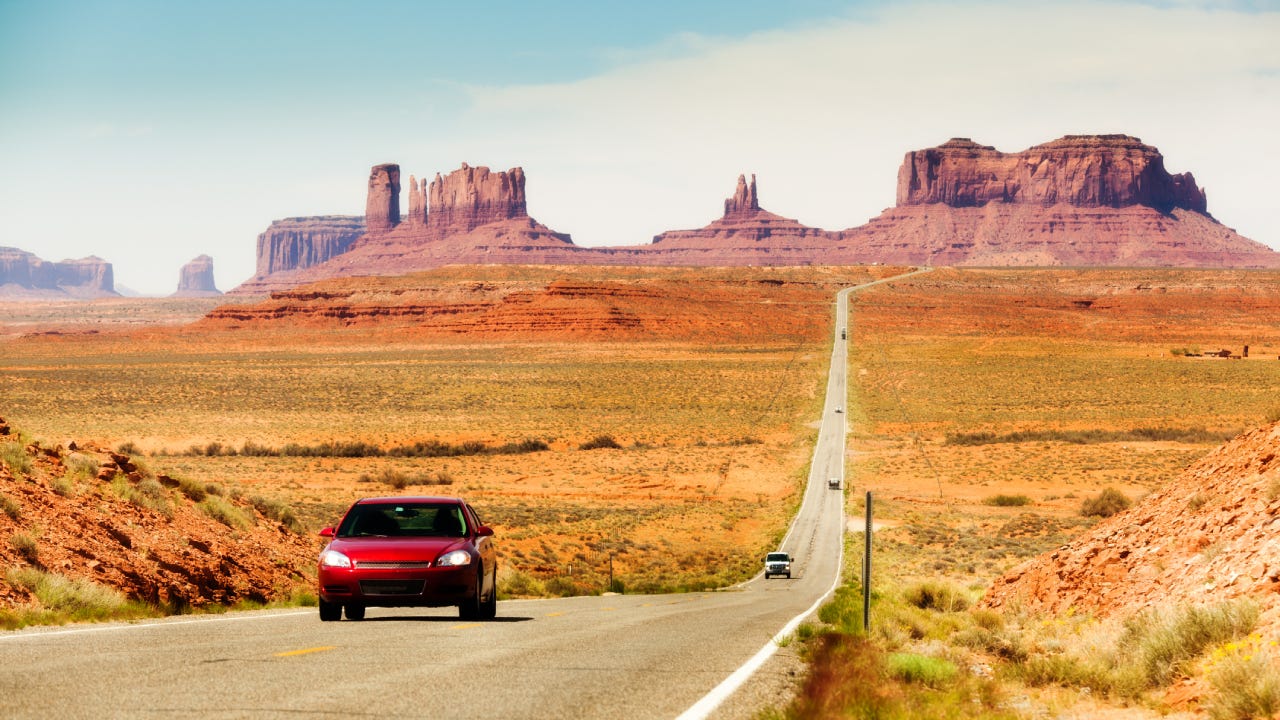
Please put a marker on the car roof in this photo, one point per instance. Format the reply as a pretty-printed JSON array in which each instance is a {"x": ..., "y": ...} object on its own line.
[{"x": 397, "y": 499}]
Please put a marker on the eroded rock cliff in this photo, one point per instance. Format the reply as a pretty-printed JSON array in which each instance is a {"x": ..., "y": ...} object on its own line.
[{"x": 1080, "y": 170}]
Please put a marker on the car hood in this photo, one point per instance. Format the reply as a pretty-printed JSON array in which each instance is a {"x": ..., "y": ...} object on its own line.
[{"x": 396, "y": 548}]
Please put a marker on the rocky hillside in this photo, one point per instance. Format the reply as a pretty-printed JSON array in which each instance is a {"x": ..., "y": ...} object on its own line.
[
  {"x": 87, "y": 513},
  {"x": 1209, "y": 535}
]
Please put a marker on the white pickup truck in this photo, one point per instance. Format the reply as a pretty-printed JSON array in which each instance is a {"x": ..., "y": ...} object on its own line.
[
  {"x": 777, "y": 563},
  {"x": 833, "y": 483}
]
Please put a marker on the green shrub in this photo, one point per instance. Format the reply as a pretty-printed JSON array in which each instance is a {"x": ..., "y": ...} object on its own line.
[
  {"x": 128, "y": 447},
  {"x": 224, "y": 512},
  {"x": 1008, "y": 500},
  {"x": 921, "y": 669},
  {"x": 1109, "y": 502},
  {"x": 63, "y": 486}
]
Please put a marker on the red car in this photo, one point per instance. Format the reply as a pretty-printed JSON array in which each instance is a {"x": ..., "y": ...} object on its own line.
[{"x": 409, "y": 552}]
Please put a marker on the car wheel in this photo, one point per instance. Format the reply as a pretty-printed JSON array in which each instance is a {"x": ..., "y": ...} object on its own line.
[
  {"x": 489, "y": 608},
  {"x": 470, "y": 609},
  {"x": 330, "y": 612},
  {"x": 788, "y": 575},
  {"x": 355, "y": 612}
]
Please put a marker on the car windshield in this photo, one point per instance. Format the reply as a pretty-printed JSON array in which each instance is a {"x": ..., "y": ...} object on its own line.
[
  {"x": 404, "y": 520},
  {"x": 776, "y": 557}
]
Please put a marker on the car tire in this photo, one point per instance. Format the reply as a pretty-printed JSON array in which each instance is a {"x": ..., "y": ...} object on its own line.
[
  {"x": 354, "y": 612},
  {"x": 330, "y": 612},
  {"x": 489, "y": 608},
  {"x": 788, "y": 575},
  {"x": 470, "y": 609}
]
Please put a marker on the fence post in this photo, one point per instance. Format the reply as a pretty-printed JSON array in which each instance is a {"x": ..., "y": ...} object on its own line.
[{"x": 866, "y": 572}]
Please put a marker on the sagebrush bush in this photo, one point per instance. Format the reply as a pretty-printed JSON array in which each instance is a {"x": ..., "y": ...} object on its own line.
[
  {"x": 1109, "y": 502},
  {"x": 80, "y": 465},
  {"x": 15, "y": 456},
  {"x": 1245, "y": 681},
  {"x": 26, "y": 546},
  {"x": 600, "y": 442},
  {"x": 81, "y": 599},
  {"x": 1163, "y": 644},
  {"x": 10, "y": 507},
  {"x": 936, "y": 595},
  {"x": 921, "y": 669},
  {"x": 224, "y": 512},
  {"x": 279, "y": 511},
  {"x": 1008, "y": 500},
  {"x": 193, "y": 489}
]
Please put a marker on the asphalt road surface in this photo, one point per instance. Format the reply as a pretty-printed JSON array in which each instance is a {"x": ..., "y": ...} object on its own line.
[{"x": 618, "y": 656}]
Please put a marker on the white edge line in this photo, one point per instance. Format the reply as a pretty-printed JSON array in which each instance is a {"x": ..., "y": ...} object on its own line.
[
  {"x": 163, "y": 622},
  {"x": 712, "y": 700}
]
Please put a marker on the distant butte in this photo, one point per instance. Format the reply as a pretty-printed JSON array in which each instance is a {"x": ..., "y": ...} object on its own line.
[
  {"x": 25, "y": 276},
  {"x": 1082, "y": 200},
  {"x": 196, "y": 279}
]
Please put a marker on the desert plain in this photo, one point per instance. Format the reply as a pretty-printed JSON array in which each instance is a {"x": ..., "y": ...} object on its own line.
[{"x": 648, "y": 429}]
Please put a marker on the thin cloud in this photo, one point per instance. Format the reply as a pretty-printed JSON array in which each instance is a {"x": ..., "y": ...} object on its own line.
[{"x": 824, "y": 114}]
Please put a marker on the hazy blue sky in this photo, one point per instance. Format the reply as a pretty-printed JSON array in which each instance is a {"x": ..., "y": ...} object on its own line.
[{"x": 148, "y": 133}]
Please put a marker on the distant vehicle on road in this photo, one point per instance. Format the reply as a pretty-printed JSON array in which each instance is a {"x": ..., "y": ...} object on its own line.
[
  {"x": 833, "y": 483},
  {"x": 844, "y": 334},
  {"x": 409, "y": 552},
  {"x": 777, "y": 563},
  {"x": 839, "y": 409}
]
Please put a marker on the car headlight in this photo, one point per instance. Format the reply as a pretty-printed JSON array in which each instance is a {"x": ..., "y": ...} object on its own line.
[
  {"x": 456, "y": 558},
  {"x": 334, "y": 559}
]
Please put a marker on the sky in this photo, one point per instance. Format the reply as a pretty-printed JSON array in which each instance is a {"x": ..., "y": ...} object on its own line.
[{"x": 150, "y": 132}]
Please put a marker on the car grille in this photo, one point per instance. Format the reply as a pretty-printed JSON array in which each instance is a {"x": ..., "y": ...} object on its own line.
[
  {"x": 391, "y": 587},
  {"x": 366, "y": 565}
]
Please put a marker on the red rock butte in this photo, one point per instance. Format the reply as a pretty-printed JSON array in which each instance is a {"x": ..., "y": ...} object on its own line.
[{"x": 1081, "y": 200}]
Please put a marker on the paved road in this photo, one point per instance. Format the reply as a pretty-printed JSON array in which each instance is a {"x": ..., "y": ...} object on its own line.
[{"x": 631, "y": 656}]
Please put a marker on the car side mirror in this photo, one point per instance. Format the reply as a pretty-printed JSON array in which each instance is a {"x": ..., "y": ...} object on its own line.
[
  {"x": 326, "y": 533},
  {"x": 484, "y": 531}
]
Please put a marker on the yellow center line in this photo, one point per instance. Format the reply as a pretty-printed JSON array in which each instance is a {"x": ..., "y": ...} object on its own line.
[
  {"x": 608, "y": 609},
  {"x": 466, "y": 626},
  {"x": 555, "y": 614},
  {"x": 292, "y": 653}
]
